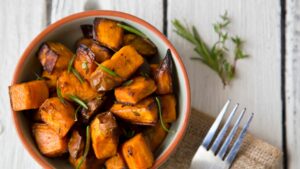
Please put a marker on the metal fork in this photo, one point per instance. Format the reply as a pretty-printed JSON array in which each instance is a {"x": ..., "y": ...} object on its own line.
[{"x": 213, "y": 157}]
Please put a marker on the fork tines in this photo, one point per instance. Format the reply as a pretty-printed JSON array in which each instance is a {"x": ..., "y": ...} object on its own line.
[{"x": 208, "y": 140}]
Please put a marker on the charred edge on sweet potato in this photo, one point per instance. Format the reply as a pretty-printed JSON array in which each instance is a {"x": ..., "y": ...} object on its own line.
[{"x": 47, "y": 57}]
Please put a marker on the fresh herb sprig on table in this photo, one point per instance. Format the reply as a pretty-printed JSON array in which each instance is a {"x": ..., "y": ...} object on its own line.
[{"x": 215, "y": 57}]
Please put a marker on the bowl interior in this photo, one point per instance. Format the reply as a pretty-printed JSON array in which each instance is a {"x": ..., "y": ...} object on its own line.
[{"x": 68, "y": 33}]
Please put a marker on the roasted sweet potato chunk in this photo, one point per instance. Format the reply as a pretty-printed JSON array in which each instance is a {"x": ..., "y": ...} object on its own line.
[
  {"x": 163, "y": 76},
  {"x": 51, "y": 78},
  {"x": 28, "y": 95},
  {"x": 139, "y": 88},
  {"x": 123, "y": 63},
  {"x": 48, "y": 141},
  {"x": 84, "y": 61},
  {"x": 76, "y": 145},
  {"x": 59, "y": 116},
  {"x": 143, "y": 46},
  {"x": 116, "y": 162},
  {"x": 93, "y": 106},
  {"x": 137, "y": 153},
  {"x": 54, "y": 56},
  {"x": 153, "y": 69},
  {"x": 70, "y": 85},
  {"x": 155, "y": 135},
  {"x": 104, "y": 135},
  {"x": 143, "y": 113},
  {"x": 108, "y": 33},
  {"x": 168, "y": 103},
  {"x": 101, "y": 53}
]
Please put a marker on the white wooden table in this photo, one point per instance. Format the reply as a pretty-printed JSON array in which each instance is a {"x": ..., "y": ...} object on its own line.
[{"x": 267, "y": 82}]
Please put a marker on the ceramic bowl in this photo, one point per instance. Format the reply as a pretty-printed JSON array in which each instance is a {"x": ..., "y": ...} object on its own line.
[{"x": 67, "y": 31}]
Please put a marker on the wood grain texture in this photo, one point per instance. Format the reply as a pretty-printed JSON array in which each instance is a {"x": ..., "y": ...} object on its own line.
[
  {"x": 22, "y": 21},
  {"x": 152, "y": 10},
  {"x": 257, "y": 85},
  {"x": 292, "y": 87}
]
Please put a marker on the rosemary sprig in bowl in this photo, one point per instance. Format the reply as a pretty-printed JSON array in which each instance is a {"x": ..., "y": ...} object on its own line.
[{"x": 215, "y": 57}]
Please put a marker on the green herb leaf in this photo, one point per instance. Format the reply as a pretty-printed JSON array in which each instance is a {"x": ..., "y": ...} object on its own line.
[
  {"x": 107, "y": 70},
  {"x": 132, "y": 30},
  {"x": 128, "y": 134},
  {"x": 71, "y": 63},
  {"x": 160, "y": 114},
  {"x": 127, "y": 82},
  {"x": 144, "y": 74},
  {"x": 76, "y": 112},
  {"x": 78, "y": 101},
  {"x": 215, "y": 57},
  {"x": 38, "y": 77},
  {"x": 74, "y": 71},
  {"x": 59, "y": 95},
  {"x": 87, "y": 147}
]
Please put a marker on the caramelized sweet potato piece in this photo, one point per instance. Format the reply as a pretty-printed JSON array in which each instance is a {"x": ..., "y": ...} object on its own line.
[
  {"x": 143, "y": 113},
  {"x": 54, "y": 56},
  {"x": 104, "y": 135},
  {"x": 155, "y": 135},
  {"x": 139, "y": 88},
  {"x": 76, "y": 145},
  {"x": 116, "y": 162},
  {"x": 101, "y": 53},
  {"x": 168, "y": 103},
  {"x": 84, "y": 41},
  {"x": 143, "y": 46},
  {"x": 153, "y": 69},
  {"x": 123, "y": 63},
  {"x": 51, "y": 78},
  {"x": 59, "y": 116},
  {"x": 137, "y": 153},
  {"x": 163, "y": 76},
  {"x": 28, "y": 95},
  {"x": 70, "y": 85},
  {"x": 93, "y": 106},
  {"x": 84, "y": 61},
  {"x": 48, "y": 141},
  {"x": 91, "y": 162},
  {"x": 108, "y": 33}
]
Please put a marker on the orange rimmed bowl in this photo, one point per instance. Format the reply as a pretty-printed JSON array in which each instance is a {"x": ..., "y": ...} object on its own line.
[{"x": 67, "y": 31}]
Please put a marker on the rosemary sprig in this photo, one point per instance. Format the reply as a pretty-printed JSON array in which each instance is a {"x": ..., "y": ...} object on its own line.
[
  {"x": 87, "y": 147},
  {"x": 59, "y": 95},
  {"x": 107, "y": 70},
  {"x": 78, "y": 101},
  {"x": 38, "y": 77},
  {"x": 132, "y": 30},
  {"x": 76, "y": 112},
  {"x": 74, "y": 71},
  {"x": 70, "y": 64},
  {"x": 215, "y": 57},
  {"x": 160, "y": 114},
  {"x": 127, "y": 82}
]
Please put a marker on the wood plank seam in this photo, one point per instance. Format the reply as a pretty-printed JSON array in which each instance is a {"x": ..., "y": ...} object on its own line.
[{"x": 283, "y": 82}]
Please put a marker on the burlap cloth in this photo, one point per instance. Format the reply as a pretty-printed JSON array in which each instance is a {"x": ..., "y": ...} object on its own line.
[{"x": 254, "y": 153}]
